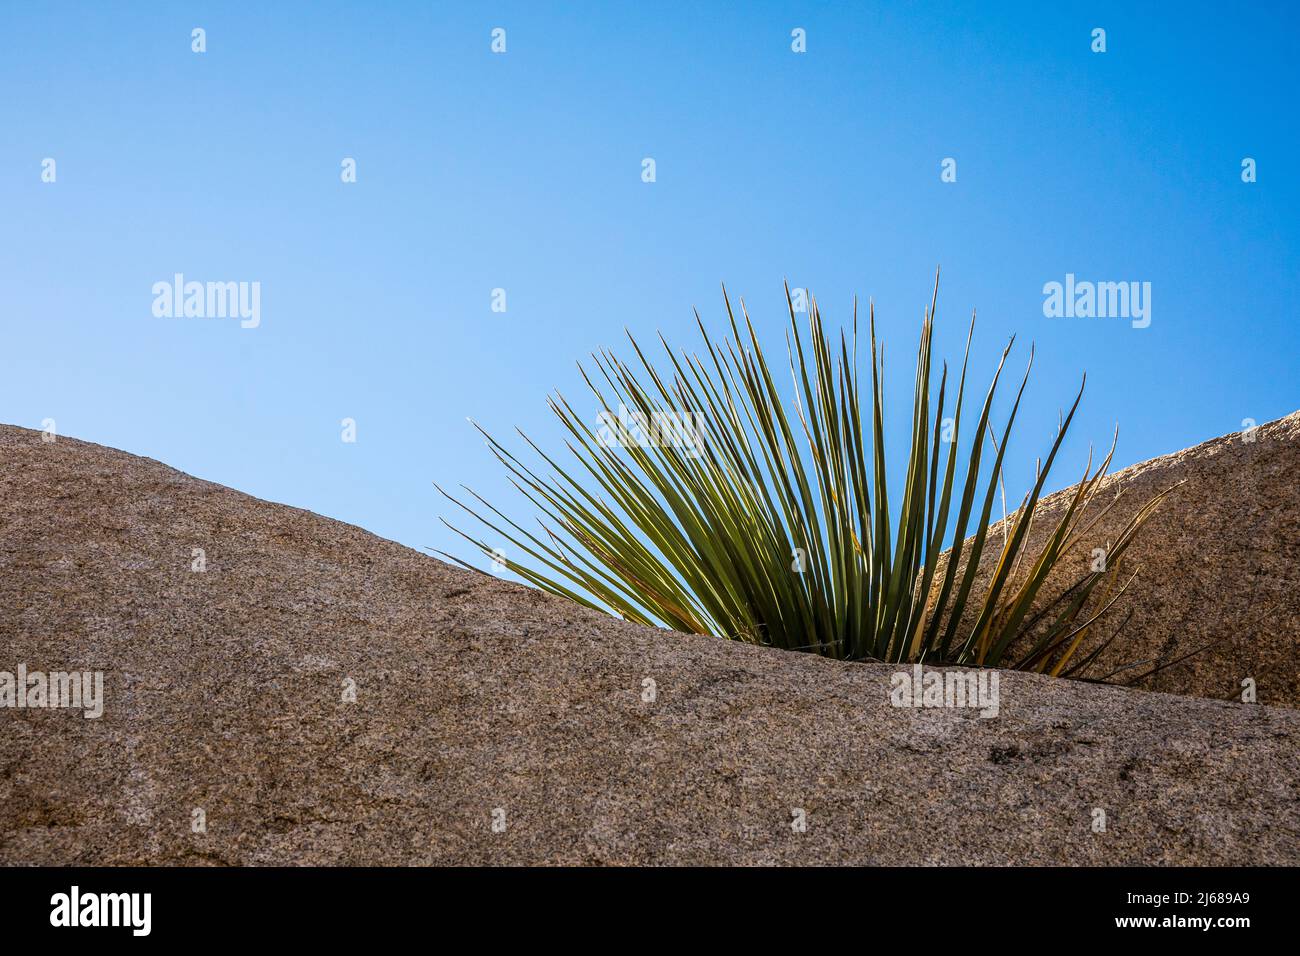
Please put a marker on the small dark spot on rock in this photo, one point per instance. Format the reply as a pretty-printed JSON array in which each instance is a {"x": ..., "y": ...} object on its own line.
[{"x": 1002, "y": 755}]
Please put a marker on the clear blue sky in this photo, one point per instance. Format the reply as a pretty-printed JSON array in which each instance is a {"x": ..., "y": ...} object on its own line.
[{"x": 523, "y": 171}]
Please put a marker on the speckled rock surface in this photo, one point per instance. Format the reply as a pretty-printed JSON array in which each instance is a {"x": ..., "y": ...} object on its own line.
[
  {"x": 478, "y": 700},
  {"x": 1218, "y": 566}
]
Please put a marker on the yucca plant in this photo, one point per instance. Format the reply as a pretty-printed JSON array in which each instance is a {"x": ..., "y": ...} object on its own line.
[{"x": 768, "y": 520}]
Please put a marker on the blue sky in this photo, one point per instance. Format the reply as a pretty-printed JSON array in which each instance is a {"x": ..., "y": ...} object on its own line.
[{"x": 522, "y": 171}]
